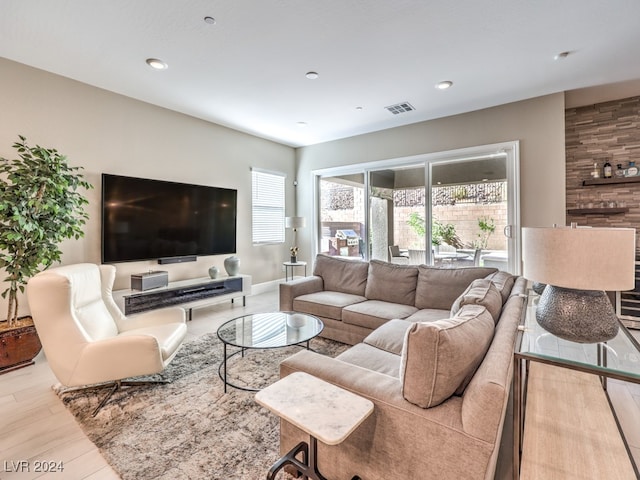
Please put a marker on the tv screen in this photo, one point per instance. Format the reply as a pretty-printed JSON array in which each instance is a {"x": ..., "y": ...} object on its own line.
[{"x": 145, "y": 219}]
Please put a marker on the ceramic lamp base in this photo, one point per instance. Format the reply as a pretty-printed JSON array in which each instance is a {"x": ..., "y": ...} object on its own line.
[{"x": 583, "y": 316}]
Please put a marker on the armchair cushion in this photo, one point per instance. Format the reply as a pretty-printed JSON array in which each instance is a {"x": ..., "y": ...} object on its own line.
[
  {"x": 168, "y": 337},
  {"x": 439, "y": 358}
]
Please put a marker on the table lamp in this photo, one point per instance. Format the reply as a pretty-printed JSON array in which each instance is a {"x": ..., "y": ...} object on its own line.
[
  {"x": 578, "y": 264},
  {"x": 295, "y": 223}
]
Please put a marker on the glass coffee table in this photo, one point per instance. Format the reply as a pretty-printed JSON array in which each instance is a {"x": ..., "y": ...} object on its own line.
[{"x": 263, "y": 331}]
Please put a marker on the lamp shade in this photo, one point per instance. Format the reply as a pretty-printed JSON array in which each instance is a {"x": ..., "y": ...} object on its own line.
[
  {"x": 294, "y": 222},
  {"x": 580, "y": 258}
]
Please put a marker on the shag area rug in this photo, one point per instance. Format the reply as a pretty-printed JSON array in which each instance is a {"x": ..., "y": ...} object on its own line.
[{"x": 190, "y": 428}]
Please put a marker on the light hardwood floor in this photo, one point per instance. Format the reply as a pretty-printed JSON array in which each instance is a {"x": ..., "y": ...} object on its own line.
[{"x": 35, "y": 426}]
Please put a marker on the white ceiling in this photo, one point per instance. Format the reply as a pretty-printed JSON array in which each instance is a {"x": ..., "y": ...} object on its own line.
[{"x": 247, "y": 71}]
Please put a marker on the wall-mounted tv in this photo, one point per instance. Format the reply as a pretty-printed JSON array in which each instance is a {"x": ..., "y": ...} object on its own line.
[{"x": 145, "y": 219}]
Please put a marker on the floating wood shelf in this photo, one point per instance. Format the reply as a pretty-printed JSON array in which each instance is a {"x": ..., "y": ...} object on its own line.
[
  {"x": 594, "y": 211},
  {"x": 610, "y": 181}
]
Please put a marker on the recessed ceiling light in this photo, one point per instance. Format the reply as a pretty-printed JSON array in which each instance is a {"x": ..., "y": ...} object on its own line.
[
  {"x": 312, "y": 75},
  {"x": 157, "y": 64},
  {"x": 444, "y": 85},
  {"x": 561, "y": 55},
  {"x": 359, "y": 108},
  {"x": 210, "y": 20},
  {"x": 302, "y": 124}
]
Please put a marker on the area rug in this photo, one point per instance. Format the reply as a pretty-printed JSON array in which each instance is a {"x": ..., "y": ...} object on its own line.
[{"x": 190, "y": 428}]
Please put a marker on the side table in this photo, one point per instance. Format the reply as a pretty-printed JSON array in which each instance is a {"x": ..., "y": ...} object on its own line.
[
  {"x": 326, "y": 412},
  {"x": 291, "y": 266},
  {"x": 618, "y": 358}
]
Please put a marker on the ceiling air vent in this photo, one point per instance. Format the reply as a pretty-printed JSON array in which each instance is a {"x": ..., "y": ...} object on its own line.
[{"x": 400, "y": 108}]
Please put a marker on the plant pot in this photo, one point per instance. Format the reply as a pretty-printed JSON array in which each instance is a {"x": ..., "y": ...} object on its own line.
[
  {"x": 18, "y": 347},
  {"x": 294, "y": 259}
]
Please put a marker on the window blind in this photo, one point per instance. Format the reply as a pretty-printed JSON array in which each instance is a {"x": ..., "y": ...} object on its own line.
[{"x": 267, "y": 206}]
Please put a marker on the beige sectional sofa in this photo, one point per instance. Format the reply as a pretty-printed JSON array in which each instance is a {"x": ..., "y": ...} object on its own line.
[
  {"x": 354, "y": 297},
  {"x": 436, "y": 360}
]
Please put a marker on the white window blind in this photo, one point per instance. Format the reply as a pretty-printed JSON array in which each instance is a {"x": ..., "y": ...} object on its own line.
[{"x": 267, "y": 206}]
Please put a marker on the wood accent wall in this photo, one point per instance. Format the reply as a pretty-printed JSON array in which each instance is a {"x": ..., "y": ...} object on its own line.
[{"x": 596, "y": 133}]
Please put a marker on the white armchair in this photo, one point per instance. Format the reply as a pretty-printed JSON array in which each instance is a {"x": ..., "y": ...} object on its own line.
[{"x": 88, "y": 340}]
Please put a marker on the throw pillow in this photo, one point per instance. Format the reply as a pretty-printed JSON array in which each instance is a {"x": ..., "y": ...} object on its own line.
[
  {"x": 504, "y": 282},
  {"x": 342, "y": 275},
  {"x": 439, "y": 357},
  {"x": 480, "y": 292},
  {"x": 391, "y": 283}
]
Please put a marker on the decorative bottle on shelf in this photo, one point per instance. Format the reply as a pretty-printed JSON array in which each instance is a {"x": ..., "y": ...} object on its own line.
[
  {"x": 632, "y": 170},
  {"x": 606, "y": 170},
  {"x": 595, "y": 173},
  {"x": 619, "y": 171}
]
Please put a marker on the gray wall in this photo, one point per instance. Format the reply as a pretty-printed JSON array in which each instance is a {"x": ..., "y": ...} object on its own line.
[{"x": 105, "y": 132}]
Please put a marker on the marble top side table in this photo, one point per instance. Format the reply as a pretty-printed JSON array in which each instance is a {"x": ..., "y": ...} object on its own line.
[{"x": 326, "y": 412}]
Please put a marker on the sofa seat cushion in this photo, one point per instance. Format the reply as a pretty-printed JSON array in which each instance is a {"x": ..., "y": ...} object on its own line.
[
  {"x": 392, "y": 283},
  {"x": 390, "y": 336},
  {"x": 342, "y": 275},
  {"x": 325, "y": 304},
  {"x": 439, "y": 287},
  {"x": 372, "y": 358},
  {"x": 480, "y": 292},
  {"x": 439, "y": 358},
  {"x": 373, "y": 313},
  {"x": 428, "y": 315}
]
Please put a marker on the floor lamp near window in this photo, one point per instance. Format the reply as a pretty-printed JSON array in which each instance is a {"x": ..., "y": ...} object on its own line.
[
  {"x": 578, "y": 264},
  {"x": 295, "y": 223}
]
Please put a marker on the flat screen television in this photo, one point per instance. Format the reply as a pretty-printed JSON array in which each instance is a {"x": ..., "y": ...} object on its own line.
[{"x": 145, "y": 219}]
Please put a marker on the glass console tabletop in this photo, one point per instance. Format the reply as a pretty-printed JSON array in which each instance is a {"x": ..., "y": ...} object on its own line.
[{"x": 617, "y": 358}]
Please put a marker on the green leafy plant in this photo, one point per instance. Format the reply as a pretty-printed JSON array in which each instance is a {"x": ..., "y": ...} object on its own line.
[
  {"x": 440, "y": 232},
  {"x": 39, "y": 208},
  {"x": 487, "y": 228}
]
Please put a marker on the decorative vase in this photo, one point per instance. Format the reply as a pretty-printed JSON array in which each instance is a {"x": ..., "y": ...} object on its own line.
[
  {"x": 232, "y": 265},
  {"x": 294, "y": 259},
  {"x": 214, "y": 271}
]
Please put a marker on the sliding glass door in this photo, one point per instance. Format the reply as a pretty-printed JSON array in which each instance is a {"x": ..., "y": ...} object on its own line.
[
  {"x": 470, "y": 214},
  {"x": 341, "y": 215},
  {"x": 448, "y": 209}
]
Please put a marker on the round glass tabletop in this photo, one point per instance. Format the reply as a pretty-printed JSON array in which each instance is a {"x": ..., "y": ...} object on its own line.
[{"x": 270, "y": 330}]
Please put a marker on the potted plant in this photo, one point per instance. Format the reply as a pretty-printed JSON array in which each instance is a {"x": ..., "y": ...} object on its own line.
[{"x": 40, "y": 206}]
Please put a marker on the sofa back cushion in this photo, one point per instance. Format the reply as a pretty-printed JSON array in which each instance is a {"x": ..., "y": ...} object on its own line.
[
  {"x": 391, "y": 283},
  {"x": 504, "y": 283},
  {"x": 439, "y": 287},
  {"x": 481, "y": 291},
  {"x": 439, "y": 357},
  {"x": 342, "y": 275}
]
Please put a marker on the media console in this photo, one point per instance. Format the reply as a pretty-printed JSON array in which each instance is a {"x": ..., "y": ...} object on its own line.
[{"x": 187, "y": 294}]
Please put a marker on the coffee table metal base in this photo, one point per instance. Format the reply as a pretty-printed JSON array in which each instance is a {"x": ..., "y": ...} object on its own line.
[{"x": 222, "y": 368}]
